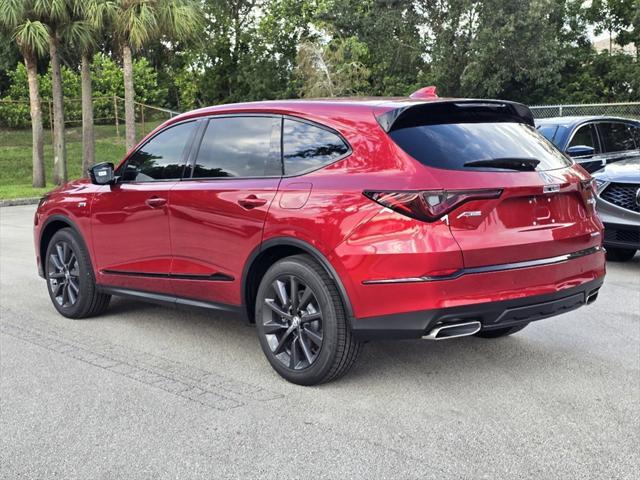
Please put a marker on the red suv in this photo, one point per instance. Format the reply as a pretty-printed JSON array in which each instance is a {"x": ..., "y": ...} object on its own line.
[{"x": 332, "y": 222}]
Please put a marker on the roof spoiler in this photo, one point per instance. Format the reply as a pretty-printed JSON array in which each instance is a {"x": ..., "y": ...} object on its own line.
[
  {"x": 426, "y": 92},
  {"x": 437, "y": 112}
]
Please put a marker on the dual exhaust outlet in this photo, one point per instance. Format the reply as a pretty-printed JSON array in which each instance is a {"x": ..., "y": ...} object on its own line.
[
  {"x": 465, "y": 329},
  {"x": 453, "y": 330}
]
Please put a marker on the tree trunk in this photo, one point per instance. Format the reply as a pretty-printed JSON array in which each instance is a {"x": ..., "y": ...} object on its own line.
[
  {"x": 59, "y": 145},
  {"x": 36, "y": 123},
  {"x": 88, "y": 140},
  {"x": 129, "y": 106}
]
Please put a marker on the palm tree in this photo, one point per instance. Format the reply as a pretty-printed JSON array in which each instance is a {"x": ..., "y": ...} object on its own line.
[
  {"x": 83, "y": 34},
  {"x": 138, "y": 22},
  {"x": 32, "y": 39},
  {"x": 56, "y": 15}
]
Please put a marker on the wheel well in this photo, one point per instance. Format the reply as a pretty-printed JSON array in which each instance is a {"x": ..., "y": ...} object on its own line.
[
  {"x": 49, "y": 231},
  {"x": 259, "y": 267}
]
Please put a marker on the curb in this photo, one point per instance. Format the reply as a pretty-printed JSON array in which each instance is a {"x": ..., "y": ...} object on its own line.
[{"x": 19, "y": 201}]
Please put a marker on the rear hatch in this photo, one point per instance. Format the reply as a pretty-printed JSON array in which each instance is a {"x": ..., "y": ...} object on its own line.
[{"x": 543, "y": 206}]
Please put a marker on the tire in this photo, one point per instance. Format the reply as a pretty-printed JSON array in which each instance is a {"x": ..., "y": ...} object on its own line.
[
  {"x": 616, "y": 254},
  {"x": 500, "y": 332},
  {"x": 70, "y": 279},
  {"x": 311, "y": 343}
]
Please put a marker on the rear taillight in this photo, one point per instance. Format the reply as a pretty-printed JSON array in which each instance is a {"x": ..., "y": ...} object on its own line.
[
  {"x": 588, "y": 189},
  {"x": 429, "y": 205}
]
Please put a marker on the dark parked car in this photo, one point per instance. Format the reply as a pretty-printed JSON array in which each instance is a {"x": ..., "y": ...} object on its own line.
[
  {"x": 331, "y": 222},
  {"x": 593, "y": 141},
  {"x": 618, "y": 205}
]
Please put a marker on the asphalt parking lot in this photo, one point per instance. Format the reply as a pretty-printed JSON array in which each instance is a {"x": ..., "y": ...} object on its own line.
[{"x": 150, "y": 392}]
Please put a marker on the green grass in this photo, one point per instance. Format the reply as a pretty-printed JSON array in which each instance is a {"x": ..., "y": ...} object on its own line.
[{"x": 15, "y": 157}]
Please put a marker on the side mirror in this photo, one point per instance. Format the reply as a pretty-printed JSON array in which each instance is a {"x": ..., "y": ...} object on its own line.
[
  {"x": 102, "y": 173},
  {"x": 580, "y": 151}
]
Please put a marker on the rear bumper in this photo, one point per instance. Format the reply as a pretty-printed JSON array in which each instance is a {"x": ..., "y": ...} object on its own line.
[{"x": 491, "y": 315}]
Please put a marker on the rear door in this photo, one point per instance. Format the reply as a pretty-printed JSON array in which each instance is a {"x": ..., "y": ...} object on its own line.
[
  {"x": 545, "y": 208},
  {"x": 219, "y": 209}
]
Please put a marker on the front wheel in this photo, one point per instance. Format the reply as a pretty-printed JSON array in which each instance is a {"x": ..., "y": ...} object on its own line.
[
  {"x": 615, "y": 254},
  {"x": 301, "y": 323},
  {"x": 70, "y": 279}
]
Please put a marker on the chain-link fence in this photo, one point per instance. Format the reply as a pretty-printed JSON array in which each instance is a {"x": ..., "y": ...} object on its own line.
[
  {"x": 629, "y": 110},
  {"x": 14, "y": 114},
  {"x": 110, "y": 111}
]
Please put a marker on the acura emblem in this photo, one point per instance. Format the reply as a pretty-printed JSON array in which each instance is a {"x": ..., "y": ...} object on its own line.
[{"x": 638, "y": 197}]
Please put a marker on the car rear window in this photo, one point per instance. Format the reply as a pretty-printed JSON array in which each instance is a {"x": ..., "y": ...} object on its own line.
[{"x": 452, "y": 145}]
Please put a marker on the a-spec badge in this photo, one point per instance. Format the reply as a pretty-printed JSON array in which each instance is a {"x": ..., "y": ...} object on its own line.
[{"x": 470, "y": 213}]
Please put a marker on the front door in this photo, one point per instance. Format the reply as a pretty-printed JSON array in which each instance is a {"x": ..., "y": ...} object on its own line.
[
  {"x": 218, "y": 214},
  {"x": 130, "y": 219}
]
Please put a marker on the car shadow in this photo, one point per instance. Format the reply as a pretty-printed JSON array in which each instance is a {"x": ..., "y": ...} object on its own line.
[{"x": 456, "y": 360}]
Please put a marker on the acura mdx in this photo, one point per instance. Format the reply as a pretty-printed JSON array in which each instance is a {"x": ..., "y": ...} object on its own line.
[{"x": 328, "y": 223}]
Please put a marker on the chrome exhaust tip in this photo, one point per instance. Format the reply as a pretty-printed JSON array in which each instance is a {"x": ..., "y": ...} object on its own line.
[{"x": 453, "y": 330}]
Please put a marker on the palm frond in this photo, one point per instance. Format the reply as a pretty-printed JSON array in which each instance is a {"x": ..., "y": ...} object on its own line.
[
  {"x": 54, "y": 12},
  {"x": 13, "y": 12},
  {"x": 32, "y": 36},
  {"x": 138, "y": 23},
  {"x": 179, "y": 19},
  {"x": 98, "y": 13},
  {"x": 80, "y": 34}
]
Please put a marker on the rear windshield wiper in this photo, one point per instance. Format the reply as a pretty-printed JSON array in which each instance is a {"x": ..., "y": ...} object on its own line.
[{"x": 508, "y": 163}]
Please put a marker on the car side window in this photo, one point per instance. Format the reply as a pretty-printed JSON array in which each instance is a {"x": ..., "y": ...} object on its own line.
[
  {"x": 586, "y": 136},
  {"x": 635, "y": 133},
  {"x": 162, "y": 157},
  {"x": 239, "y": 147},
  {"x": 616, "y": 137},
  {"x": 307, "y": 147}
]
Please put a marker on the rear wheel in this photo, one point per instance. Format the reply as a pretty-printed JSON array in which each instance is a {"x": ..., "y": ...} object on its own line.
[
  {"x": 616, "y": 254},
  {"x": 500, "y": 332},
  {"x": 301, "y": 323},
  {"x": 70, "y": 279}
]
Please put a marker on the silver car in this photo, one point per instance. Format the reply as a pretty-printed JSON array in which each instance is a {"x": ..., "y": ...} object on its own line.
[{"x": 618, "y": 205}]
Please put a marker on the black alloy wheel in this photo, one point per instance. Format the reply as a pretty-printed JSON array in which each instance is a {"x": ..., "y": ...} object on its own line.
[
  {"x": 70, "y": 279},
  {"x": 63, "y": 274},
  {"x": 292, "y": 322},
  {"x": 301, "y": 322}
]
